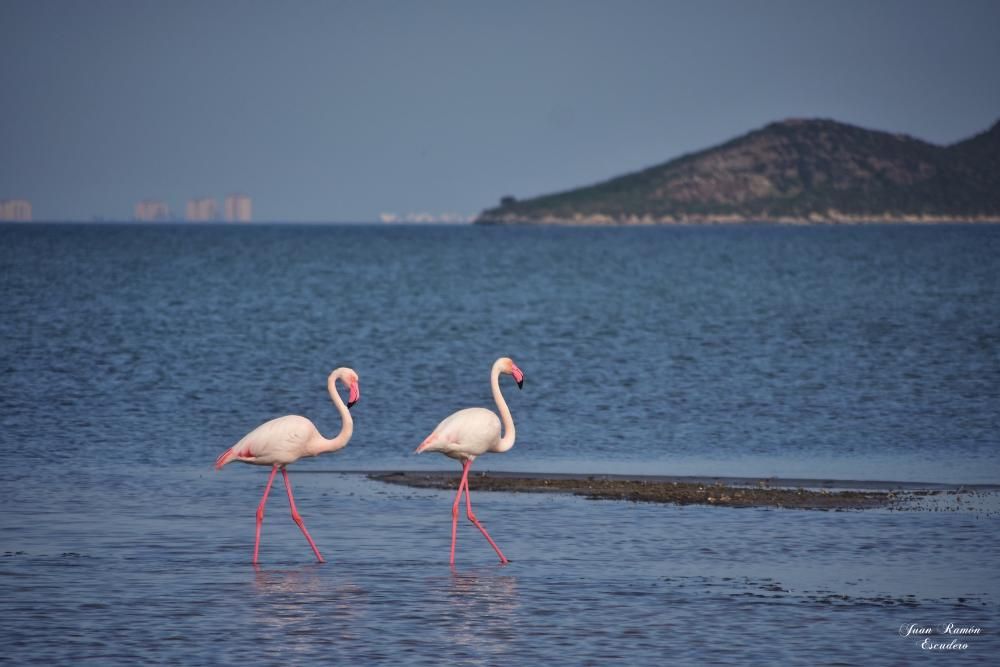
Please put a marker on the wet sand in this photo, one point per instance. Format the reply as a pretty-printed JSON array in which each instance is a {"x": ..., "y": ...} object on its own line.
[{"x": 742, "y": 492}]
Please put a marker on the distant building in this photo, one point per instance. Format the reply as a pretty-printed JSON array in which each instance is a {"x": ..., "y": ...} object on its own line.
[
  {"x": 152, "y": 210},
  {"x": 239, "y": 208},
  {"x": 423, "y": 217},
  {"x": 202, "y": 210},
  {"x": 15, "y": 210}
]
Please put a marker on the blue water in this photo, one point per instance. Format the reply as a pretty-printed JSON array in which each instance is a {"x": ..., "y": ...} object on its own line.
[
  {"x": 853, "y": 353},
  {"x": 132, "y": 356}
]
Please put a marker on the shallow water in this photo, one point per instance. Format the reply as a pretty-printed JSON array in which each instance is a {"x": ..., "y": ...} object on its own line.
[
  {"x": 151, "y": 565},
  {"x": 133, "y": 355}
]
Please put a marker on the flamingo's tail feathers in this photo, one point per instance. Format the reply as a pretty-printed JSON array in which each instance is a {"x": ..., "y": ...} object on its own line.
[
  {"x": 239, "y": 452},
  {"x": 427, "y": 444},
  {"x": 225, "y": 457}
]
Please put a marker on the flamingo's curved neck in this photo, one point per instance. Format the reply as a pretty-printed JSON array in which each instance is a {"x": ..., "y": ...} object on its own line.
[
  {"x": 507, "y": 441},
  {"x": 347, "y": 427}
]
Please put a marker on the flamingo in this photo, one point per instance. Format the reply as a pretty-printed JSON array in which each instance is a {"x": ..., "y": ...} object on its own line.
[
  {"x": 473, "y": 432},
  {"x": 287, "y": 439}
]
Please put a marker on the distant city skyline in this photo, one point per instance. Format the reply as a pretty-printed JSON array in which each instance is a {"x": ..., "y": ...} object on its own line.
[
  {"x": 236, "y": 207},
  {"x": 345, "y": 111}
]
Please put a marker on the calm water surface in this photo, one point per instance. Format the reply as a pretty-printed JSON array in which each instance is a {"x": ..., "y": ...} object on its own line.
[
  {"x": 150, "y": 564},
  {"x": 132, "y": 356}
]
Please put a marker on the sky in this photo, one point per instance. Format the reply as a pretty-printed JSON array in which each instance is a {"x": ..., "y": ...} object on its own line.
[{"x": 344, "y": 111}]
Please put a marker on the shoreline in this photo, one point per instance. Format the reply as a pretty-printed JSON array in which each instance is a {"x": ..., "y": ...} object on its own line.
[
  {"x": 835, "y": 495},
  {"x": 600, "y": 220}
]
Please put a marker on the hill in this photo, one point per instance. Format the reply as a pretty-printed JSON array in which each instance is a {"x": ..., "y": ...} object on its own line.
[{"x": 799, "y": 170}]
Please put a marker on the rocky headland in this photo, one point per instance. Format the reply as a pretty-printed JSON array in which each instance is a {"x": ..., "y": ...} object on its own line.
[{"x": 794, "y": 171}]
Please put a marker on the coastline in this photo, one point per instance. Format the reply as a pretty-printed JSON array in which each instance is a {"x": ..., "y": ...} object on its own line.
[{"x": 829, "y": 218}]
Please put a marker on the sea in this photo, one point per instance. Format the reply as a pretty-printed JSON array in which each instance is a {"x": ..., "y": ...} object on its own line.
[{"x": 133, "y": 354}]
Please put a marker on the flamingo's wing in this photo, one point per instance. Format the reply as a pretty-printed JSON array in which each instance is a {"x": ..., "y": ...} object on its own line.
[
  {"x": 279, "y": 441},
  {"x": 471, "y": 431}
]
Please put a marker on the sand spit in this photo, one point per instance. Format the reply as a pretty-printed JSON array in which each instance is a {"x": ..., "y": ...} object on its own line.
[{"x": 760, "y": 493}]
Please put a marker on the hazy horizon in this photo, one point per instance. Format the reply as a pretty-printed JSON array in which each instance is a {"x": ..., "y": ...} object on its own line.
[{"x": 343, "y": 112}]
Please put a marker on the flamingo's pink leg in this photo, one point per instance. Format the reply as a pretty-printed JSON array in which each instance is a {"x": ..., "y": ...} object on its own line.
[
  {"x": 260, "y": 512},
  {"x": 463, "y": 484},
  {"x": 473, "y": 519},
  {"x": 298, "y": 519}
]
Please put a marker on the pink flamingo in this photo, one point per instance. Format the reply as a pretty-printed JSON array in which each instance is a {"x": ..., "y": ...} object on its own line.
[
  {"x": 472, "y": 432},
  {"x": 287, "y": 439}
]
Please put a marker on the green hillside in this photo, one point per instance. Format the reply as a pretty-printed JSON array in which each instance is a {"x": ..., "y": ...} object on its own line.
[{"x": 795, "y": 170}]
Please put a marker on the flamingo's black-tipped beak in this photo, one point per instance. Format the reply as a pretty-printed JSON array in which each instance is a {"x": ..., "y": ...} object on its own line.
[
  {"x": 518, "y": 376},
  {"x": 354, "y": 396}
]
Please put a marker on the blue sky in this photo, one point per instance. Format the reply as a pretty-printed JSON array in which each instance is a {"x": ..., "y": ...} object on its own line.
[{"x": 345, "y": 110}]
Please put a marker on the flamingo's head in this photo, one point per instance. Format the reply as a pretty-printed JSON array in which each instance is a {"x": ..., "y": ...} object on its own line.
[
  {"x": 354, "y": 390},
  {"x": 349, "y": 377},
  {"x": 508, "y": 366}
]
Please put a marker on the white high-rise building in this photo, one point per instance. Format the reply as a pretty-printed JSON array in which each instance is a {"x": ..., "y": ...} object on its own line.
[
  {"x": 152, "y": 210},
  {"x": 15, "y": 210},
  {"x": 201, "y": 210},
  {"x": 239, "y": 208}
]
